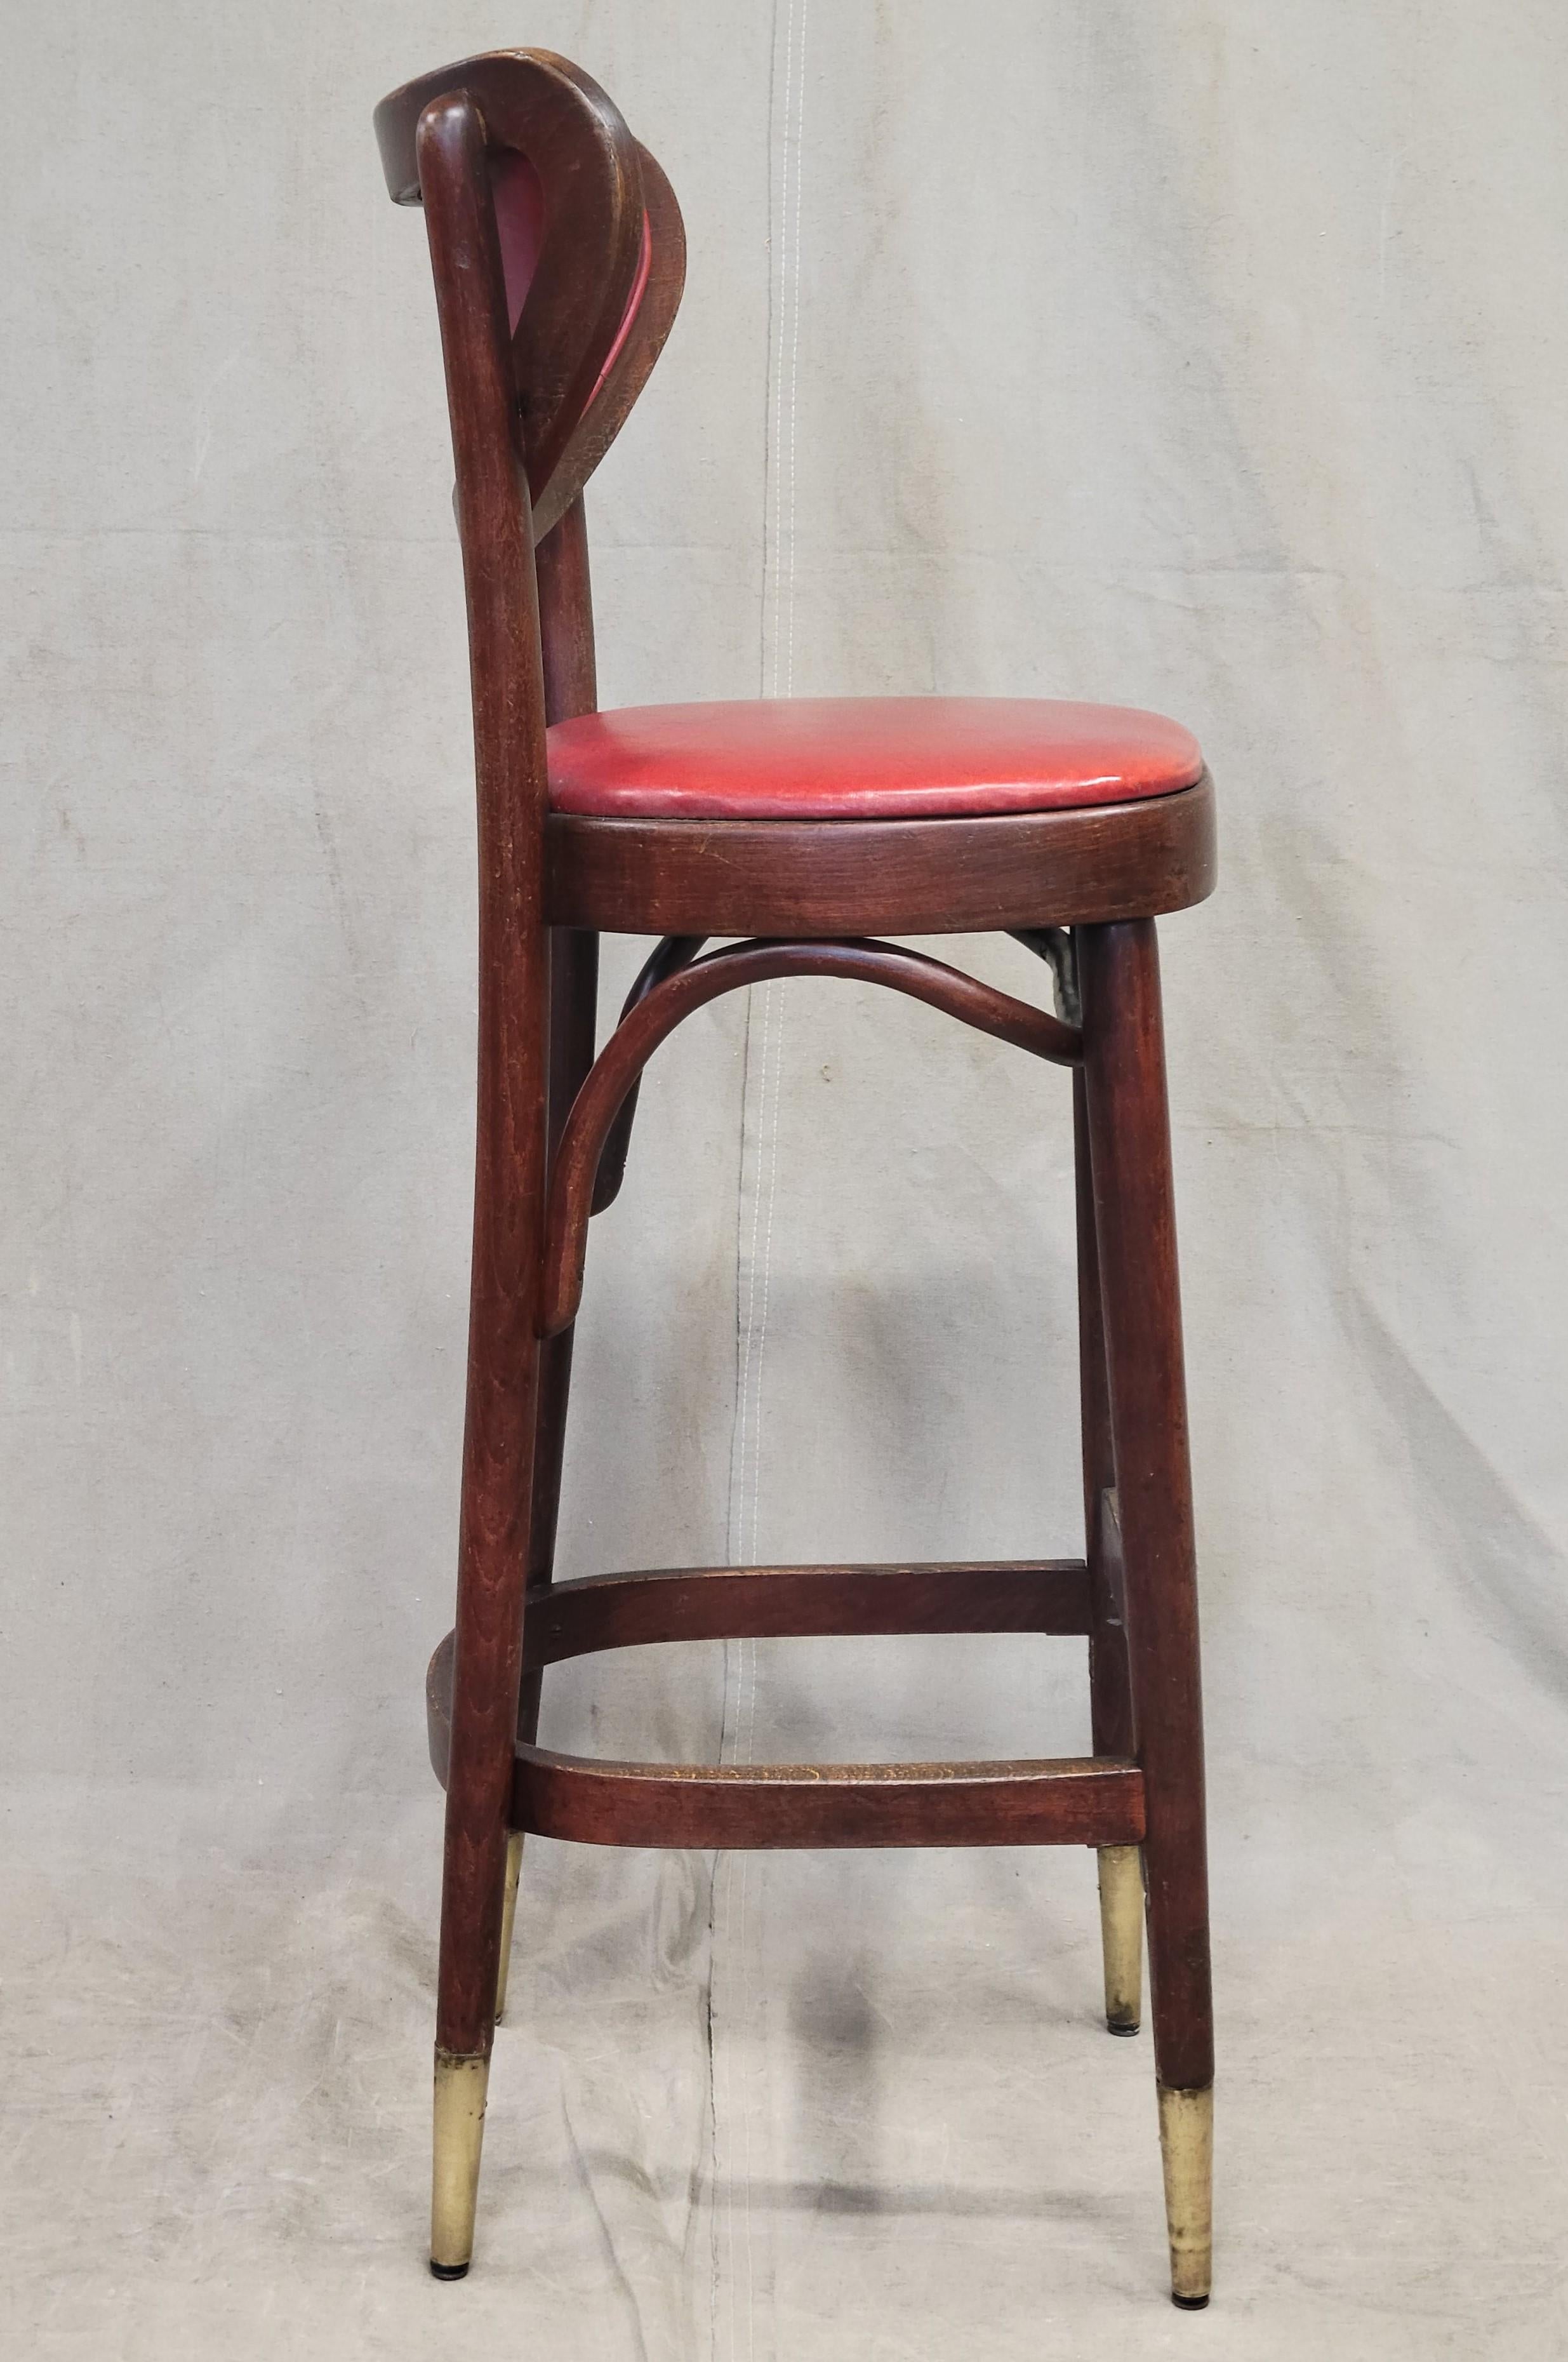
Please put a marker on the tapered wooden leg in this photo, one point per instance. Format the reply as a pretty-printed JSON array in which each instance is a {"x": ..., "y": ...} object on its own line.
[
  {"x": 493, "y": 1553},
  {"x": 1110, "y": 1693},
  {"x": 574, "y": 992},
  {"x": 486, "y": 1669},
  {"x": 514, "y": 679},
  {"x": 1121, "y": 1936},
  {"x": 1135, "y": 1232}
]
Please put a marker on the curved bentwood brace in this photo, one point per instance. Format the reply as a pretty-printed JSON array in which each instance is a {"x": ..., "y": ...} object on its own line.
[
  {"x": 673, "y": 953},
  {"x": 651, "y": 1015}
]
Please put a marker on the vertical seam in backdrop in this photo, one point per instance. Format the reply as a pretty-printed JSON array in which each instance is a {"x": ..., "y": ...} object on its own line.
[{"x": 730, "y": 1979}]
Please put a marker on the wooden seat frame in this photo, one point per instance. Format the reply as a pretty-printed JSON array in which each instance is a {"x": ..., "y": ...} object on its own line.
[{"x": 531, "y": 412}]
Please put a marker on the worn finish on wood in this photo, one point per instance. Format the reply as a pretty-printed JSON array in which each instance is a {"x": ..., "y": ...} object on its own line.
[
  {"x": 1124, "y": 1078},
  {"x": 651, "y": 1019},
  {"x": 882, "y": 878},
  {"x": 1076, "y": 1801}
]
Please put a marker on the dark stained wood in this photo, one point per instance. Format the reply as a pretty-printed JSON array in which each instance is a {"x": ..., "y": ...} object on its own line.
[
  {"x": 773, "y": 1603},
  {"x": 1111, "y": 1679},
  {"x": 570, "y": 685},
  {"x": 566, "y": 634},
  {"x": 761, "y": 1603},
  {"x": 531, "y": 102},
  {"x": 655, "y": 1016},
  {"x": 672, "y": 954},
  {"x": 496, "y": 531},
  {"x": 1076, "y": 1801},
  {"x": 565, "y": 619},
  {"x": 542, "y": 106},
  {"x": 1124, "y": 1077},
  {"x": 633, "y": 365},
  {"x": 883, "y": 877},
  {"x": 574, "y": 980}
]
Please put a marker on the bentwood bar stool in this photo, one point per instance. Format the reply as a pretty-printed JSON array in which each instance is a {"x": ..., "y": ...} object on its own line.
[{"x": 797, "y": 833}]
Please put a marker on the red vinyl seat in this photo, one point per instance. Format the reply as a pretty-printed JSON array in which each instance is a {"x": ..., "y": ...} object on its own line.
[{"x": 864, "y": 758}]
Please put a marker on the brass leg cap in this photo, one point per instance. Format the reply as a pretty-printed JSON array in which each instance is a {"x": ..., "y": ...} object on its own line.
[
  {"x": 460, "y": 2087},
  {"x": 1122, "y": 1934},
  {"x": 1187, "y": 2153}
]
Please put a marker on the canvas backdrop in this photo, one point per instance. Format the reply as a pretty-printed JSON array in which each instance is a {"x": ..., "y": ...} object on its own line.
[{"x": 1206, "y": 355}]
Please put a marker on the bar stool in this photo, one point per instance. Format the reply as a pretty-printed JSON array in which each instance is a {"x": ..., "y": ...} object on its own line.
[{"x": 797, "y": 833}]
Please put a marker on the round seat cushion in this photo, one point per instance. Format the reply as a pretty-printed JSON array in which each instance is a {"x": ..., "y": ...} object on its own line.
[{"x": 864, "y": 758}]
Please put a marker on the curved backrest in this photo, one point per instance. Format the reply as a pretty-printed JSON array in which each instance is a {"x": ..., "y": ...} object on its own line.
[
  {"x": 558, "y": 258},
  {"x": 593, "y": 250}
]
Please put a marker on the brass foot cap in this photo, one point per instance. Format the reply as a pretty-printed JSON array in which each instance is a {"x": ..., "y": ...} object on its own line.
[
  {"x": 448, "y": 2271},
  {"x": 1187, "y": 2148},
  {"x": 1111, "y": 2026}
]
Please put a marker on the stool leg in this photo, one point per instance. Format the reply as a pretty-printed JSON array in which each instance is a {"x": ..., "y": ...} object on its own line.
[
  {"x": 486, "y": 1673},
  {"x": 574, "y": 996},
  {"x": 1135, "y": 1230},
  {"x": 493, "y": 1557},
  {"x": 1110, "y": 1693}
]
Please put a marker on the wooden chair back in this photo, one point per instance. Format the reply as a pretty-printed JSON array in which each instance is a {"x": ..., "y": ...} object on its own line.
[{"x": 586, "y": 258}]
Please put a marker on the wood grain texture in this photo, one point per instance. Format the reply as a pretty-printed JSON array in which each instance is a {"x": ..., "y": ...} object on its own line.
[
  {"x": 533, "y": 104},
  {"x": 1124, "y": 1078},
  {"x": 496, "y": 531},
  {"x": 566, "y": 618},
  {"x": 577, "y": 376},
  {"x": 632, "y": 366},
  {"x": 570, "y": 687},
  {"x": 759, "y": 1603},
  {"x": 672, "y": 954},
  {"x": 1111, "y": 1679},
  {"x": 1076, "y": 1801},
  {"x": 883, "y": 877}
]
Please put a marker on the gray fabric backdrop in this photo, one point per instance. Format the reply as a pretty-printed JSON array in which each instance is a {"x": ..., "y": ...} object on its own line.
[{"x": 1206, "y": 354}]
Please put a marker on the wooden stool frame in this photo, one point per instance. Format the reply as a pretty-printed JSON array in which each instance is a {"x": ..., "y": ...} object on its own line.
[{"x": 533, "y": 405}]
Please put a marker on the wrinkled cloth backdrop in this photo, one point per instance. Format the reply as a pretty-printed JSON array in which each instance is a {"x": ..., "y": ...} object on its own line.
[{"x": 1208, "y": 356}]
